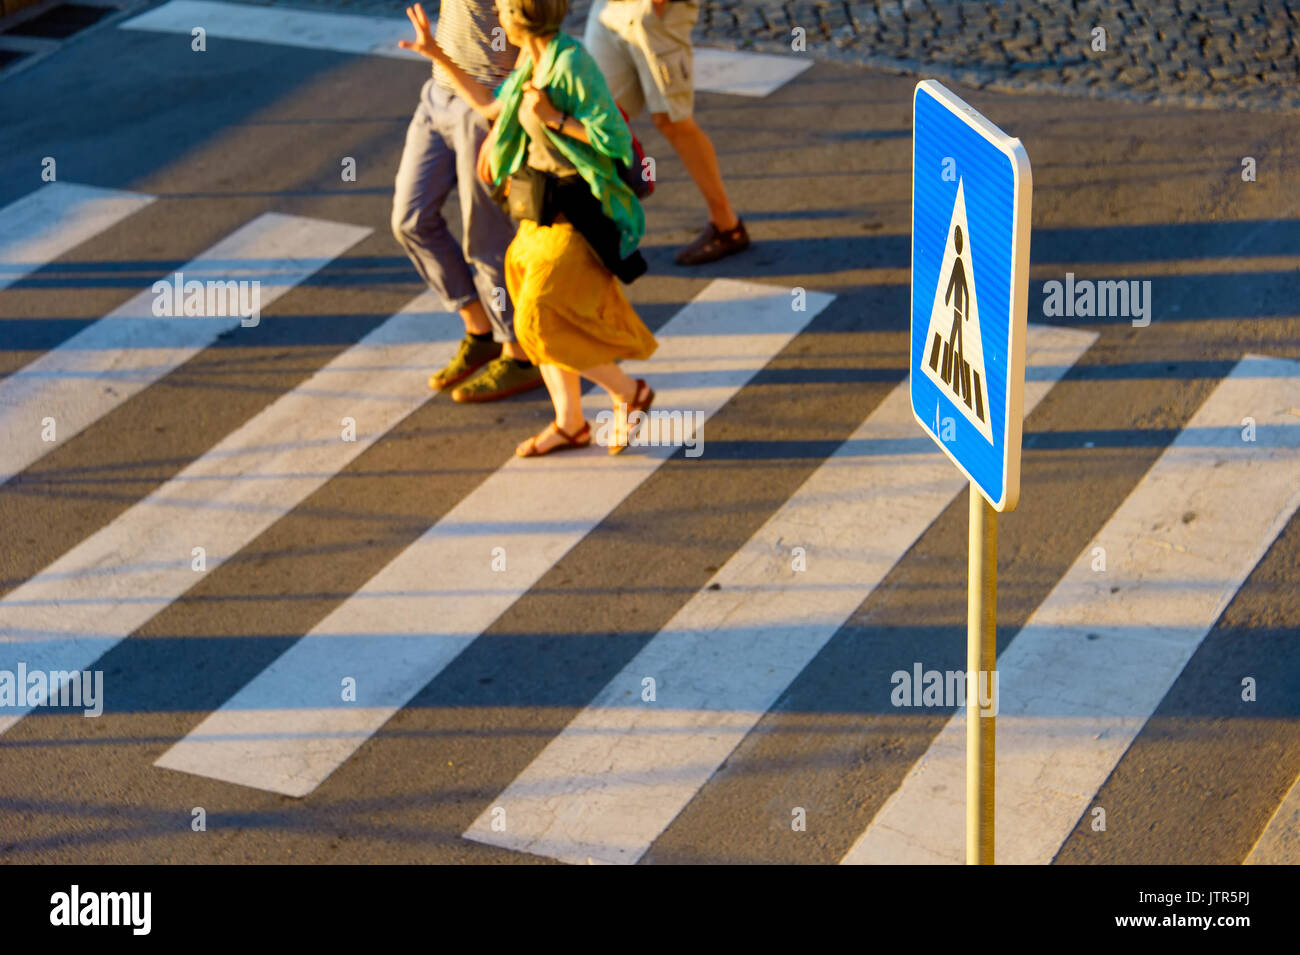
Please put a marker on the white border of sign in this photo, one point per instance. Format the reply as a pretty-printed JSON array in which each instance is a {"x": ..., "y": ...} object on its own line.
[{"x": 1019, "y": 297}]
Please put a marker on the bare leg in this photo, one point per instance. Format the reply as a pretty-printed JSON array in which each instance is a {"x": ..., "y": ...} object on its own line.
[
  {"x": 475, "y": 318},
  {"x": 622, "y": 388},
  {"x": 696, "y": 150},
  {"x": 613, "y": 379},
  {"x": 476, "y": 323},
  {"x": 566, "y": 394},
  {"x": 564, "y": 388}
]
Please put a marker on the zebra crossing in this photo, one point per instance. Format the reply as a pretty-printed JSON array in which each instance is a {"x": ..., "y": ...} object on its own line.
[
  {"x": 1078, "y": 682},
  {"x": 608, "y": 785},
  {"x": 108, "y": 362},
  {"x": 1094, "y": 661},
  {"x": 284, "y": 731},
  {"x": 71, "y": 613}
]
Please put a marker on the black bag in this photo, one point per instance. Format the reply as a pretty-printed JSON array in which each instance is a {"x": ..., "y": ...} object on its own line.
[
  {"x": 538, "y": 196},
  {"x": 529, "y": 194},
  {"x": 573, "y": 197}
]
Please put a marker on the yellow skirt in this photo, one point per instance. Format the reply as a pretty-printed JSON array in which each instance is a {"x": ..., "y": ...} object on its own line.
[{"x": 569, "y": 308}]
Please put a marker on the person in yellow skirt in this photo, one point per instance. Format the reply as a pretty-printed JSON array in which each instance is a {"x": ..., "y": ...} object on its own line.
[{"x": 556, "y": 146}]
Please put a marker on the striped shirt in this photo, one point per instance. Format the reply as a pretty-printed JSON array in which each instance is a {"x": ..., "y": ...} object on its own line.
[{"x": 465, "y": 31}]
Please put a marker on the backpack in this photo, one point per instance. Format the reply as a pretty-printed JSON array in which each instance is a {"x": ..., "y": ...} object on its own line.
[{"x": 634, "y": 178}]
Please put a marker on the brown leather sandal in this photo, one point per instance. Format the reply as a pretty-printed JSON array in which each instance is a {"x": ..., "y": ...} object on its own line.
[
  {"x": 580, "y": 439},
  {"x": 641, "y": 401},
  {"x": 713, "y": 244}
]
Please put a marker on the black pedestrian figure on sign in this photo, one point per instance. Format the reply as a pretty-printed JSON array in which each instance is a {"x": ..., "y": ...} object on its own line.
[
  {"x": 959, "y": 293},
  {"x": 956, "y": 370}
]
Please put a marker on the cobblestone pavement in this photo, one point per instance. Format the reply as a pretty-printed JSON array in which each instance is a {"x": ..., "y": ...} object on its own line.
[
  {"x": 1189, "y": 52},
  {"x": 1242, "y": 53},
  {"x": 1230, "y": 53}
]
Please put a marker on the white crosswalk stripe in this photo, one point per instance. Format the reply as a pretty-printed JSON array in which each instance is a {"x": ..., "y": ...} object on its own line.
[
  {"x": 307, "y": 29},
  {"x": 43, "y": 225},
  {"x": 130, "y": 348},
  {"x": 745, "y": 74},
  {"x": 288, "y": 730},
  {"x": 623, "y": 769},
  {"x": 1078, "y": 682},
  {"x": 1279, "y": 844}
]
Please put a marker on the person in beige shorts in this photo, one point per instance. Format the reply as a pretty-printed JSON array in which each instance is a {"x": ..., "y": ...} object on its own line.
[{"x": 643, "y": 48}]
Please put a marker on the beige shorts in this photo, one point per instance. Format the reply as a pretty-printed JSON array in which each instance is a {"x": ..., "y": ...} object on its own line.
[{"x": 646, "y": 59}]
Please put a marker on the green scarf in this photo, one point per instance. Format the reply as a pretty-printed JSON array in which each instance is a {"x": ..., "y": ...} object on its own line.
[{"x": 576, "y": 86}]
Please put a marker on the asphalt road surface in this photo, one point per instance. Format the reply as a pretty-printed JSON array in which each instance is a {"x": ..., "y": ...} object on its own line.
[{"x": 409, "y": 647}]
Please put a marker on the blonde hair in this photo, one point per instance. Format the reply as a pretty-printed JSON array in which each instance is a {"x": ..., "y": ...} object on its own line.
[{"x": 538, "y": 17}]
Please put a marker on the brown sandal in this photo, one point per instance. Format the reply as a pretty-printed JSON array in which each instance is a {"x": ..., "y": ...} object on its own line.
[
  {"x": 641, "y": 401},
  {"x": 713, "y": 244},
  {"x": 581, "y": 439}
]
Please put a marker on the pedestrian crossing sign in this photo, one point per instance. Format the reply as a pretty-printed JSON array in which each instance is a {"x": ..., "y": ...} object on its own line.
[{"x": 971, "y": 189}]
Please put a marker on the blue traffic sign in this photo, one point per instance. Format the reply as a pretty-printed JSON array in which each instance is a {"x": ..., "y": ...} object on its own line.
[{"x": 971, "y": 189}]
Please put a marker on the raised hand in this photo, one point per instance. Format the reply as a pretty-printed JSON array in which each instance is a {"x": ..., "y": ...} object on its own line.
[
  {"x": 537, "y": 104},
  {"x": 424, "y": 43}
]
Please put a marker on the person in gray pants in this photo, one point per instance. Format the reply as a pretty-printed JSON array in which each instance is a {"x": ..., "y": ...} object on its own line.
[{"x": 442, "y": 146}]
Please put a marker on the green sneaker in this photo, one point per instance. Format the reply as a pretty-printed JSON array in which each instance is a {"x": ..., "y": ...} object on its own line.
[
  {"x": 500, "y": 379},
  {"x": 470, "y": 357}
]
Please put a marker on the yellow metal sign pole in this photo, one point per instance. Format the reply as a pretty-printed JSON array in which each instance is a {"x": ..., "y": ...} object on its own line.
[{"x": 981, "y": 664}]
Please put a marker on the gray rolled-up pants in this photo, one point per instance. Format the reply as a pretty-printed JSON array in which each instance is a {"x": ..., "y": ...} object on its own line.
[{"x": 442, "y": 145}]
